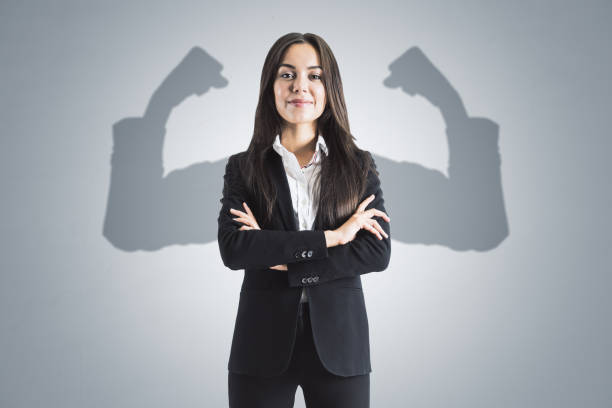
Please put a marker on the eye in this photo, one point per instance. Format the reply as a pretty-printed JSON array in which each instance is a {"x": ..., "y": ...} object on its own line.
[{"x": 290, "y": 75}]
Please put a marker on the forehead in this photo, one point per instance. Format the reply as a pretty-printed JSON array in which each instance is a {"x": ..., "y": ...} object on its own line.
[{"x": 301, "y": 56}]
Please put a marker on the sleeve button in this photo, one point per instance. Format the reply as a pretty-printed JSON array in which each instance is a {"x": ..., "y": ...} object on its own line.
[{"x": 309, "y": 254}]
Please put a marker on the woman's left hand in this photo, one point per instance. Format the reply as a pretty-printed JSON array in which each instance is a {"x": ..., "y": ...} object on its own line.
[{"x": 251, "y": 223}]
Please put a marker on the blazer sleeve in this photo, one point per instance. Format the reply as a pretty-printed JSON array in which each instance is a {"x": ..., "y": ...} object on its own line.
[
  {"x": 241, "y": 249},
  {"x": 364, "y": 254}
]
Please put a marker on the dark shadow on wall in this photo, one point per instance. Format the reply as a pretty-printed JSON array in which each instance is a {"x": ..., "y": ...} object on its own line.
[
  {"x": 147, "y": 211},
  {"x": 464, "y": 210}
]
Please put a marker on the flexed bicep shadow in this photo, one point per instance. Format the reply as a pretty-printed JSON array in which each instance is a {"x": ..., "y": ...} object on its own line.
[
  {"x": 464, "y": 210},
  {"x": 148, "y": 211}
]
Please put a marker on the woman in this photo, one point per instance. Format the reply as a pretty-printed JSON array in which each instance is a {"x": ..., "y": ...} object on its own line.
[{"x": 302, "y": 212}]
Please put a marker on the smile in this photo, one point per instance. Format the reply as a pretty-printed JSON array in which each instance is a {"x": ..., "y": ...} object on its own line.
[{"x": 300, "y": 104}]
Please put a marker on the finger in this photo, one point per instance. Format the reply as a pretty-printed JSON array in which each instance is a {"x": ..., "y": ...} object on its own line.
[
  {"x": 282, "y": 267},
  {"x": 376, "y": 212},
  {"x": 251, "y": 214},
  {"x": 243, "y": 220},
  {"x": 365, "y": 203},
  {"x": 238, "y": 212},
  {"x": 376, "y": 225},
  {"x": 373, "y": 230},
  {"x": 243, "y": 216},
  {"x": 248, "y": 209},
  {"x": 245, "y": 227},
  {"x": 383, "y": 215}
]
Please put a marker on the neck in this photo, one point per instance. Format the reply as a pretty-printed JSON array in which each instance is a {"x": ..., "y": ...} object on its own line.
[{"x": 299, "y": 138}]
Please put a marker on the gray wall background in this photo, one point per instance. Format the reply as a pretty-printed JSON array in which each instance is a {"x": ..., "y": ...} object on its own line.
[{"x": 142, "y": 314}]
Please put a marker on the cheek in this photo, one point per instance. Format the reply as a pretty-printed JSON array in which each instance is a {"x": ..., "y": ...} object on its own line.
[
  {"x": 278, "y": 96},
  {"x": 321, "y": 98}
]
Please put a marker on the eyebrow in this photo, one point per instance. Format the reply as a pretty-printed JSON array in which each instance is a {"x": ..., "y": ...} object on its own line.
[{"x": 292, "y": 67}]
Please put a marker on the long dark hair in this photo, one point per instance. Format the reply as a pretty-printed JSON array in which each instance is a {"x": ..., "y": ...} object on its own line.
[{"x": 345, "y": 169}]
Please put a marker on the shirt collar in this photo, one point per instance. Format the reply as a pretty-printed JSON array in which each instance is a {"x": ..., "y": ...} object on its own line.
[{"x": 320, "y": 147}]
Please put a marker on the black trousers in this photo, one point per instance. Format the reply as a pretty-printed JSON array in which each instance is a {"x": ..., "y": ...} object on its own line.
[{"x": 321, "y": 388}]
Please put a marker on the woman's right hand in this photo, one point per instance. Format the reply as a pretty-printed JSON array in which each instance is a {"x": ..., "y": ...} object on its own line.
[{"x": 361, "y": 218}]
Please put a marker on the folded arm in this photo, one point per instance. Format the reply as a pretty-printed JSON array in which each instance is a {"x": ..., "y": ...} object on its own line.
[
  {"x": 365, "y": 253},
  {"x": 241, "y": 249}
]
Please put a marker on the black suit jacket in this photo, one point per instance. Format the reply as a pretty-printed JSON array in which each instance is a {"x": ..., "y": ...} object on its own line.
[{"x": 265, "y": 327}]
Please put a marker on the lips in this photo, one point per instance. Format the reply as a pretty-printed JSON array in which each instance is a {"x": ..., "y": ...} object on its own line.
[{"x": 300, "y": 102}]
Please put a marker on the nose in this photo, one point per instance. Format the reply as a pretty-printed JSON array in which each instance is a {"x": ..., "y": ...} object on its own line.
[{"x": 300, "y": 84}]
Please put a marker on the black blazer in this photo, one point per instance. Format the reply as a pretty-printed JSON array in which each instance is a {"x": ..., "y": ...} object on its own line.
[{"x": 265, "y": 327}]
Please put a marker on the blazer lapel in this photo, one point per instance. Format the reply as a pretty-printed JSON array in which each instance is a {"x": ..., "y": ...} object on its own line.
[{"x": 279, "y": 177}]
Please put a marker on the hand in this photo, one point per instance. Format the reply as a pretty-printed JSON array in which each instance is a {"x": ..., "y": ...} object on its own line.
[
  {"x": 362, "y": 218},
  {"x": 246, "y": 218},
  {"x": 251, "y": 223}
]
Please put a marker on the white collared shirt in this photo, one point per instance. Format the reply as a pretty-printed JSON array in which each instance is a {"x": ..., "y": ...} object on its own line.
[{"x": 304, "y": 192}]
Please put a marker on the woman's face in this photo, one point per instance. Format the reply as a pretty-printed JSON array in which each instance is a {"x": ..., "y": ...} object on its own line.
[{"x": 300, "y": 77}]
